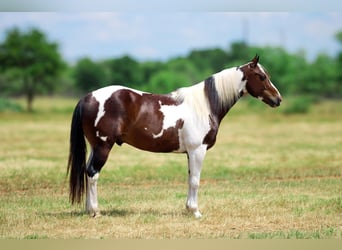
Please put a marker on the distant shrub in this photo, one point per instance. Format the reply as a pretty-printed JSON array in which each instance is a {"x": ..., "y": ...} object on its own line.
[
  {"x": 298, "y": 105},
  {"x": 8, "y": 105}
]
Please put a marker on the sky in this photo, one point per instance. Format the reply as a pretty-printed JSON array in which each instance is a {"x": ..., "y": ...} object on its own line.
[
  {"x": 161, "y": 35},
  {"x": 166, "y": 5}
]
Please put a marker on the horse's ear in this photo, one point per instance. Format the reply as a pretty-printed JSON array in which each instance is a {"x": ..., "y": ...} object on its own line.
[{"x": 255, "y": 61}]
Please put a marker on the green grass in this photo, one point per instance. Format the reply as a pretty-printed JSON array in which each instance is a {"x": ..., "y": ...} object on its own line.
[
  {"x": 270, "y": 175},
  {"x": 297, "y": 234}
]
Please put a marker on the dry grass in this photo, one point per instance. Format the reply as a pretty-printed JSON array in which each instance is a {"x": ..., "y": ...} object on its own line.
[{"x": 269, "y": 176}]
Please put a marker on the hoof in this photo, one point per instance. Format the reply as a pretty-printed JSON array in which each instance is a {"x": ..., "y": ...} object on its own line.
[
  {"x": 95, "y": 214},
  {"x": 197, "y": 214}
]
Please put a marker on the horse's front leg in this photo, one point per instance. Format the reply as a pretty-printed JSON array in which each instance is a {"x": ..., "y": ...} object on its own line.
[{"x": 195, "y": 160}]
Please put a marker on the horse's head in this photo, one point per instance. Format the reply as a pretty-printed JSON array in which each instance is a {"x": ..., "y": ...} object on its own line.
[{"x": 258, "y": 83}]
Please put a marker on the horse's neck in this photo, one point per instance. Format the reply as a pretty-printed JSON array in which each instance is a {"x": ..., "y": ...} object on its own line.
[
  {"x": 214, "y": 96},
  {"x": 228, "y": 86}
]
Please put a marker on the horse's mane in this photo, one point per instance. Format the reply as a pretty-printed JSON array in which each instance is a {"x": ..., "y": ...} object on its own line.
[
  {"x": 218, "y": 92},
  {"x": 226, "y": 83},
  {"x": 194, "y": 97}
]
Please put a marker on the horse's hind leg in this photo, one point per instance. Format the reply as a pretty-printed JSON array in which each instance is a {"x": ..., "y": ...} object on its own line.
[{"x": 97, "y": 159}]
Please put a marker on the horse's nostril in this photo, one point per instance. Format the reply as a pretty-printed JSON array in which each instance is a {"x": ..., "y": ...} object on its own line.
[
  {"x": 276, "y": 102},
  {"x": 279, "y": 100}
]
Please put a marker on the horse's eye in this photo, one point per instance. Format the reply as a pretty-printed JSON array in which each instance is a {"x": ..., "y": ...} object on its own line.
[{"x": 261, "y": 77}]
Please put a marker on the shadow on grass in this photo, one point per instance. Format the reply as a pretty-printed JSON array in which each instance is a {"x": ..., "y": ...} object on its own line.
[
  {"x": 82, "y": 213},
  {"x": 146, "y": 212},
  {"x": 117, "y": 213}
]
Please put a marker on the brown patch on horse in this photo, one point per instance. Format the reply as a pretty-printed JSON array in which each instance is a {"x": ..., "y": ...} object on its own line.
[
  {"x": 210, "y": 137},
  {"x": 90, "y": 107}
]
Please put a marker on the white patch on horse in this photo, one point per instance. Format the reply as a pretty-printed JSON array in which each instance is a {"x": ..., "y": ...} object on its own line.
[
  {"x": 103, "y": 94},
  {"x": 193, "y": 97},
  {"x": 171, "y": 116},
  {"x": 103, "y": 138},
  {"x": 195, "y": 111},
  {"x": 91, "y": 202}
]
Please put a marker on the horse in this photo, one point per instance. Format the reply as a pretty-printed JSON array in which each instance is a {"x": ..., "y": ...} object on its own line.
[{"x": 183, "y": 121}]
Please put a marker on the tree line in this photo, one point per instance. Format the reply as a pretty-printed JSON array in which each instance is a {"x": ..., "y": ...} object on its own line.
[{"x": 31, "y": 65}]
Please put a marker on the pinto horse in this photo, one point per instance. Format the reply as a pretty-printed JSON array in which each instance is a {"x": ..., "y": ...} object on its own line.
[{"x": 184, "y": 121}]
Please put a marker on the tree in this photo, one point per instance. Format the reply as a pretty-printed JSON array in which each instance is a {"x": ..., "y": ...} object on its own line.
[
  {"x": 339, "y": 36},
  {"x": 213, "y": 60},
  {"x": 32, "y": 59},
  {"x": 149, "y": 69},
  {"x": 177, "y": 72},
  {"x": 339, "y": 58},
  {"x": 125, "y": 71},
  {"x": 166, "y": 81},
  {"x": 323, "y": 77},
  {"x": 89, "y": 75},
  {"x": 239, "y": 52}
]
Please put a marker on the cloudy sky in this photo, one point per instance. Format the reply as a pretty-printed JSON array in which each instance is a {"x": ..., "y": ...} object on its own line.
[{"x": 160, "y": 35}]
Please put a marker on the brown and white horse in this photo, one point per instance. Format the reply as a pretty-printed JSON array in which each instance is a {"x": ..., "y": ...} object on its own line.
[{"x": 184, "y": 121}]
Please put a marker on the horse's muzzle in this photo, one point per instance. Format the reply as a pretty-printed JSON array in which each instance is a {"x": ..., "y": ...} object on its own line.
[
  {"x": 273, "y": 101},
  {"x": 276, "y": 101}
]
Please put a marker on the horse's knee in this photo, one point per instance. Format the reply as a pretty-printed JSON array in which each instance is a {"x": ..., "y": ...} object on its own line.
[
  {"x": 194, "y": 182},
  {"x": 94, "y": 178},
  {"x": 91, "y": 172}
]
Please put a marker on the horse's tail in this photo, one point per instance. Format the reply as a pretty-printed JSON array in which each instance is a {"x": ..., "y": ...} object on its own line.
[{"x": 77, "y": 157}]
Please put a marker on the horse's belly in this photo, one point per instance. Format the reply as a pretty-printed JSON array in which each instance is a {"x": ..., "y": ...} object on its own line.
[{"x": 165, "y": 141}]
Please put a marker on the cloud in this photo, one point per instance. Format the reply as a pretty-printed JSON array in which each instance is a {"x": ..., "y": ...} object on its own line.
[{"x": 161, "y": 35}]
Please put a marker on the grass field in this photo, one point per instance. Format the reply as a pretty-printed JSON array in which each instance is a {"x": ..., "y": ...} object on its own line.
[{"x": 270, "y": 175}]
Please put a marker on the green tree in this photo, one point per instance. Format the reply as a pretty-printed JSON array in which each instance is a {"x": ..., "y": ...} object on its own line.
[
  {"x": 177, "y": 72},
  {"x": 89, "y": 75},
  {"x": 339, "y": 36},
  {"x": 186, "y": 68},
  {"x": 149, "y": 69},
  {"x": 125, "y": 71},
  {"x": 166, "y": 81},
  {"x": 339, "y": 59},
  {"x": 213, "y": 60},
  {"x": 239, "y": 52},
  {"x": 323, "y": 77},
  {"x": 31, "y": 58}
]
